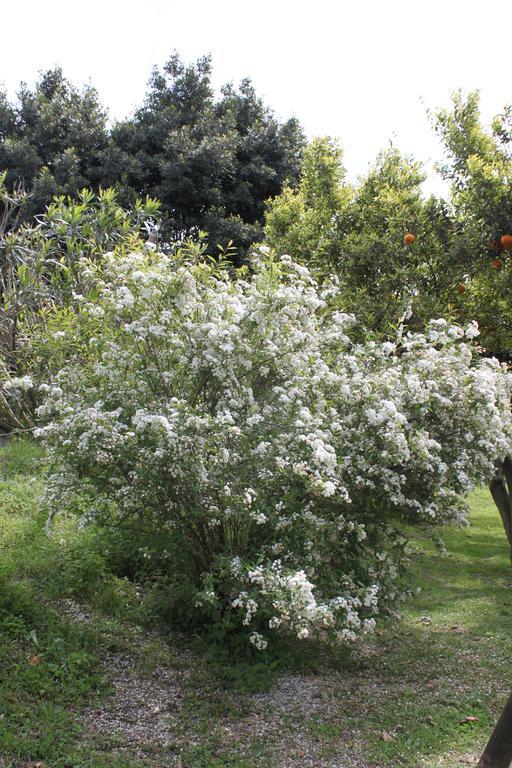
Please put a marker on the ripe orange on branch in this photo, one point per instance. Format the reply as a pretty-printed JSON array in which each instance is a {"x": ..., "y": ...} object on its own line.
[
  {"x": 496, "y": 263},
  {"x": 409, "y": 238},
  {"x": 506, "y": 242}
]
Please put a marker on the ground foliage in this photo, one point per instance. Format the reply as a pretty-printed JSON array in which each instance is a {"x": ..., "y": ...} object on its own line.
[{"x": 419, "y": 694}]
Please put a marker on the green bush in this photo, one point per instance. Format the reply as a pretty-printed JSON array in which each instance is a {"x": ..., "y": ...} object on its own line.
[
  {"x": 41, "y": 281},
  {"x": 236, "y": 444}
]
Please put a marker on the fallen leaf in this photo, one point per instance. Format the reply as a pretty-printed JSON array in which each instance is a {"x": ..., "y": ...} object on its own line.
[
  {"x": 35, "y": 660},
  {"x": 470, "y": 719},
  {"x": 385, "y": 736}
]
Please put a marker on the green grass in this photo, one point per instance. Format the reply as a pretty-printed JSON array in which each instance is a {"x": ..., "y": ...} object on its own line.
[
  {"x": 449, "y": 659},
  {"x": 402, "y": 700},
  {"x": 49, "y": 665}
]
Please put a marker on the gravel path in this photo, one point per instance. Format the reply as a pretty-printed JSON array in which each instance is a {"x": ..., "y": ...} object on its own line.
[
  {"x": 142, "y": 718},
  {"x": 164, "y": 708},
  {"x": 136, "y": 718}
]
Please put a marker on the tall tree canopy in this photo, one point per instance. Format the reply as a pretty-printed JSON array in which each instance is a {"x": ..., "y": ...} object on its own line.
[
  {"x": 211, "y": 160},
  {"x": 53, "y": 138},
  {"x": 479, "y": 168}
]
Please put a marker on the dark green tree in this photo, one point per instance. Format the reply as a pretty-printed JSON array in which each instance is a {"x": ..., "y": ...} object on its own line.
[
  {"x": 211, "y": 161},
  {"x": 52, "y": 139}
]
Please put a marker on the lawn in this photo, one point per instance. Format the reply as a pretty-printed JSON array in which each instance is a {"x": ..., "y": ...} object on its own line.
[{"x": 89, "y": 680}]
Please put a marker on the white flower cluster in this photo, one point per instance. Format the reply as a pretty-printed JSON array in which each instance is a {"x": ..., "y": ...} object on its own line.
[
  {"x": 237, "y": 418},
  {"x": 294, "y": 605},
  {"x": 16, "y": 392},
  {"x": 23, "y": 383}
]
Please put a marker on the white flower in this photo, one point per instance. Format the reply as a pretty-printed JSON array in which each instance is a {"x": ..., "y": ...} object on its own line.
[
  {"x": 23, "y": 383},
  {"x": 472, "y": 331},
  {"x": 258, "y": 641},
  {"x": 328, "y": 488}
]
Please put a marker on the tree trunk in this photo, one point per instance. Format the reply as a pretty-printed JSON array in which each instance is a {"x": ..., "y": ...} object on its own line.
[
  {"x": 501, "y": 491},
  {"x": 498, "y": 752}
]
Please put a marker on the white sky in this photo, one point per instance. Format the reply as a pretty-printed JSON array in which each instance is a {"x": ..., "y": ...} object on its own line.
[{"x": 364, "y": 71}]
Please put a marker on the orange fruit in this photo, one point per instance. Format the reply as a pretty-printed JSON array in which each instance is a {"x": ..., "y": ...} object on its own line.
[
  {"x": 461, "y": 288},
  {"x": 506, "y": 242},
  {"x": 496, "y": 263},
  {"x": 409, "y": 238}
]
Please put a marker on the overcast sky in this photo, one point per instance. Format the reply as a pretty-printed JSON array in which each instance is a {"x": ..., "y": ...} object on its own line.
[{"x": 364, "y": 71}]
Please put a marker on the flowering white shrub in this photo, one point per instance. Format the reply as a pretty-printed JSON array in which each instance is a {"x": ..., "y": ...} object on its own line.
[
  {"x": 13, "y": 389},
  {"x": 256, "y": 457}
]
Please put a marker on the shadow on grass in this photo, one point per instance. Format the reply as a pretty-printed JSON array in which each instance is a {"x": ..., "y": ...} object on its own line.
[{"x": 449, "y": 659}]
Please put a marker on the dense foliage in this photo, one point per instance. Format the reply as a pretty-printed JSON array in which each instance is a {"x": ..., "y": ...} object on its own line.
[
  {"x": 358, "y": 232},
  {"x": 252, "y": 439},
  {"x": 239, "y": 446},
  {"x": 211, "y": 161},
  {"x": 457, "y": 263},
  {"x": 52, "y": 139},
  {"x": 40, "y": 277},
  {"x": 479, "y": 168}
]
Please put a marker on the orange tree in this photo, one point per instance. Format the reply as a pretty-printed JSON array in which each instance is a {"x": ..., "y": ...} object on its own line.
[
  {"x": 479, "y": 169},
  {"x": 458, "y": 260},
  {"x": 401, "y": 257},
  {"x": 383, "y": 239}
]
